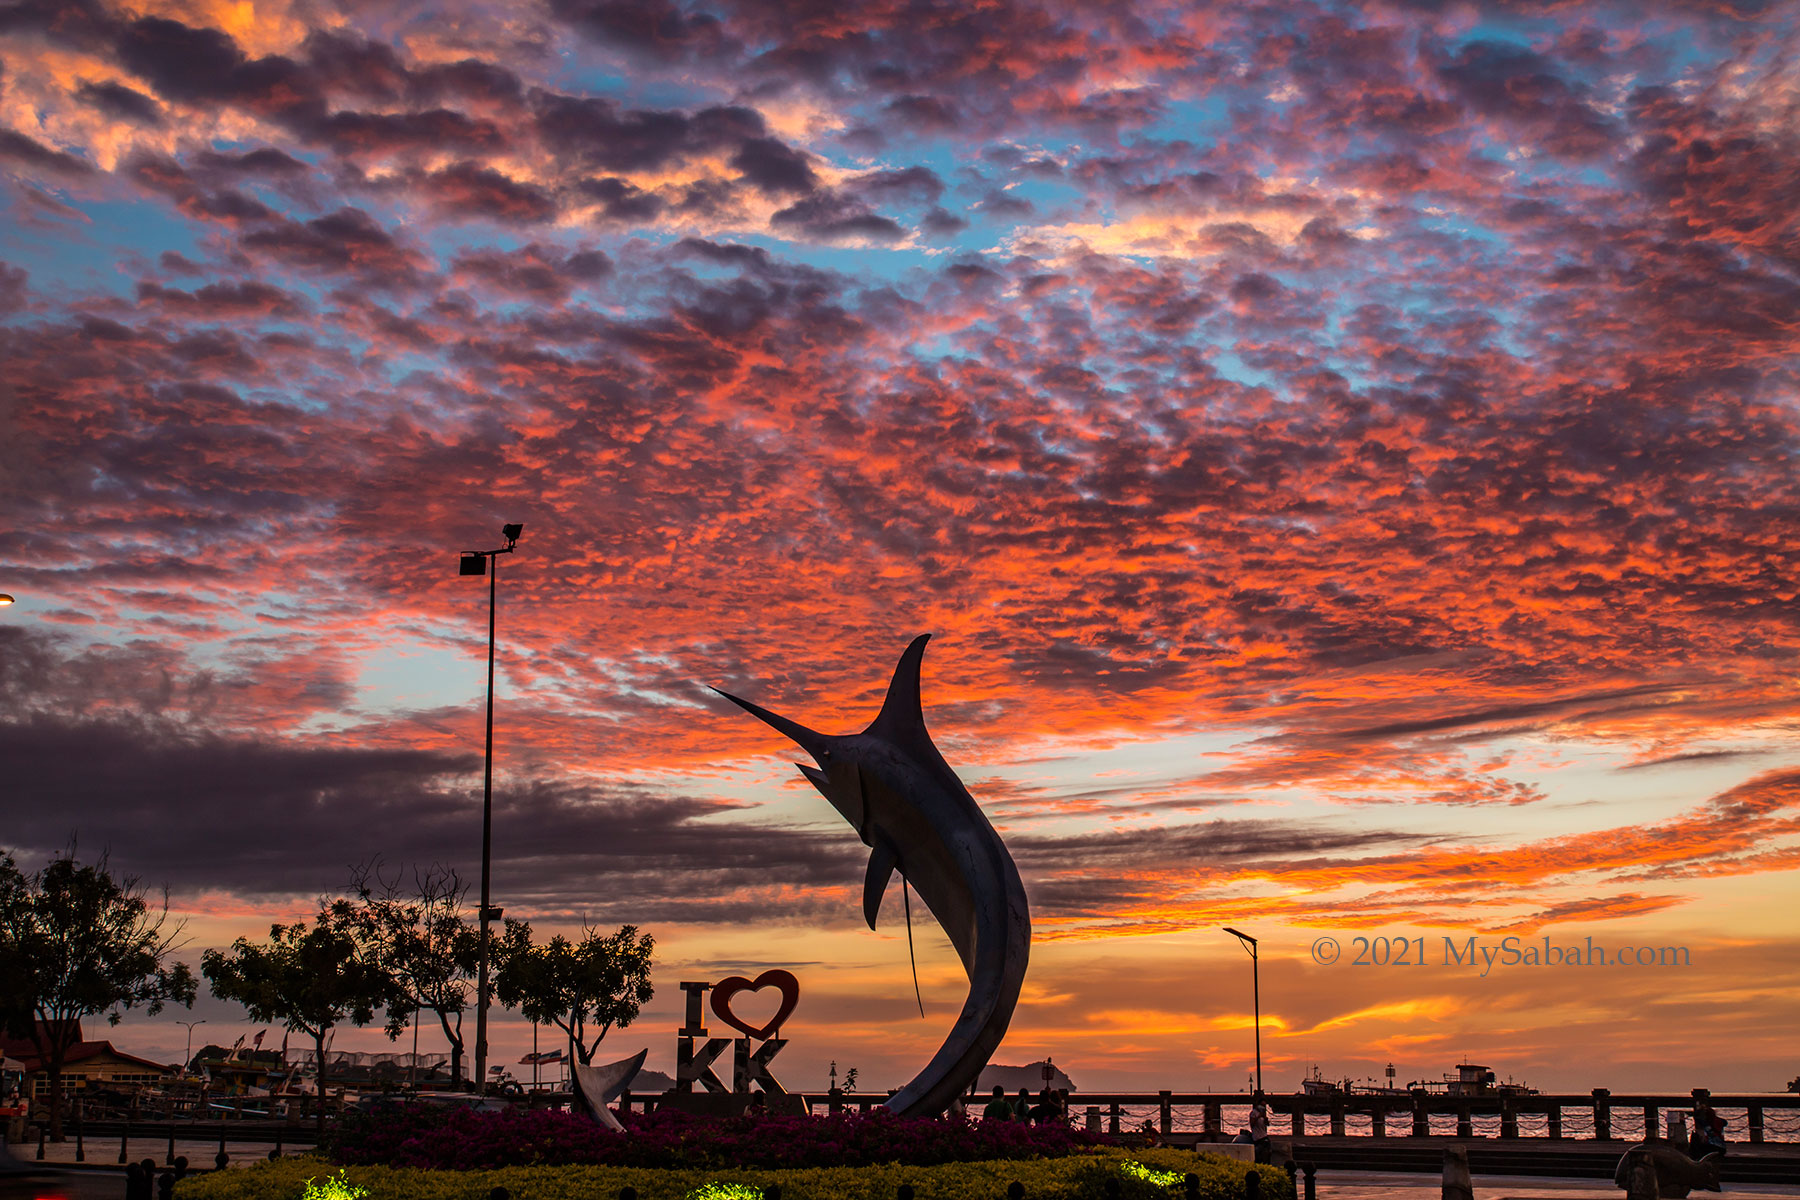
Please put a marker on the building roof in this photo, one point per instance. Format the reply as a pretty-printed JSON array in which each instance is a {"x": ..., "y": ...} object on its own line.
[{"x": 83, "y": 1050}]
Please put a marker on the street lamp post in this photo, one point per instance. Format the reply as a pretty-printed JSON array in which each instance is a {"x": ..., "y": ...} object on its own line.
[
  {"x": 487, "y": 562},
  {"x": 188, "y": 1055},
  {"x": 1249, "y": 943}
]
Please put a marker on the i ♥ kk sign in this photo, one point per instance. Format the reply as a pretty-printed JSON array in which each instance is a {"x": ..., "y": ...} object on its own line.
[{"x": 693, "y": 1064}]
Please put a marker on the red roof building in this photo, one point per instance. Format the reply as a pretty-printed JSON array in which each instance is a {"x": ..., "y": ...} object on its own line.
[{"x": 87, "y": 1064}]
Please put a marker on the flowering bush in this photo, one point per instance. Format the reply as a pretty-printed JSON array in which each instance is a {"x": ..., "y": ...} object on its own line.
[{"x": 429, "y": 1136}]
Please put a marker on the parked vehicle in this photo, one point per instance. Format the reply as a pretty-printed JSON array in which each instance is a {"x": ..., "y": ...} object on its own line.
[{"x": 29, "y": 1181}]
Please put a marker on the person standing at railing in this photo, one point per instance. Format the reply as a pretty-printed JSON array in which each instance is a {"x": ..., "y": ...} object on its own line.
[
  {"x": 1709, "y": 1131},
  {"x": 999, "y": 1108}
]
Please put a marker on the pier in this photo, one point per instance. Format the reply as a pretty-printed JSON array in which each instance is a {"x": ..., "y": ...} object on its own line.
[{"x": 1599, "y": 1115}]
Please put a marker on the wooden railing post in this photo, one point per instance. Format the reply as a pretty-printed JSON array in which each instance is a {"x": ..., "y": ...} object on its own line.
[
  {"x": 1112, "y": 1118},
  {"x": 1509, "y": 1116},
  {"x": 1651, "y": 1131},
  {"x": 1602, "y": 1115},
  {"x": 1465, "y": 1119},
  {"x": 1167, "y": 1112},
  {"x": 1299, "y": 1118},
  {"x": 1756, "y": 1123},
  {"x": 1213, "y": 1122},
  {"x": 1555, "y": 1114},
  {"x": 1378, "y": 1120},
  {"x": 1337, "y": 1116},
  {"x": 1421, "y": 1119}
]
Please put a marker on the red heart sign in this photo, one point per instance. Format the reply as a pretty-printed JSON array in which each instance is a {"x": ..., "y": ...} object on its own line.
[{"x": 725, "y": 989}]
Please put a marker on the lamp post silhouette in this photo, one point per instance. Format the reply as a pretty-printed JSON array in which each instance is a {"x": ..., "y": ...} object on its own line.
[
  {"x": 487, "y": 562},
  {"x": 188, "y": 1056},
  {"x": 1249, "y": 943}
]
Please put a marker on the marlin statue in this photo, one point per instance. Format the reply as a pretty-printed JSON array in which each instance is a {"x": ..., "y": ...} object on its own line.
[{"x": 916, "y": 817}]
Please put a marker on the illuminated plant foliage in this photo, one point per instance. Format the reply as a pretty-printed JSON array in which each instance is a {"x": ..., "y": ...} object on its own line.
[
  {"x": 335, "y": 1187},
  {"x": 1138, "y": 1170},
  {"x": 726, "y": 1191}
]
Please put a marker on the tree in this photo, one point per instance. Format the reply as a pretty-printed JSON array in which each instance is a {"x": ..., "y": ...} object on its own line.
[
  {"x": 74, "y": 943},
  {"x": 602, "y": 981},
  {"x": 427, "y": 944},
  {"x": 308, "y": 979}
]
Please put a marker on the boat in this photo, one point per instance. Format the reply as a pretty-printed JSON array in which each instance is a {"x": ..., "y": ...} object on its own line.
[{"x": 1472, "y": 1079}]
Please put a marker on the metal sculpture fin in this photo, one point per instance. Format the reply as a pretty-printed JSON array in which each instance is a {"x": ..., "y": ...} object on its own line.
[
  {"x": 598, "y": 1087},
  {"x": 902, "y": 714},
  {"x": 882, "y": 861}
]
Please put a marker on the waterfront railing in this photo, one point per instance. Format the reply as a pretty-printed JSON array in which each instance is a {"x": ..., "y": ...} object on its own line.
[{"x": 1599, "y": 1115}]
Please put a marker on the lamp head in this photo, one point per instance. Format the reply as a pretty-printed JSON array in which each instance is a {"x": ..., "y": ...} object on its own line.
[
  {"x": 472, "y": 564},
  {"x": 1242, "y": 937},
  {"x": 5, "y": 599},
  {"x": 511, "y": 533}
]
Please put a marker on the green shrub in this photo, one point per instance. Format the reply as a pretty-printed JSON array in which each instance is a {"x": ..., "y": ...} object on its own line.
[{"x": 1073, "y": 1178}]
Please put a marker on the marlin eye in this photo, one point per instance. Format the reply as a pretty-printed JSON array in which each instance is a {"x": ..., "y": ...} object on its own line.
[{"x": 825, "y": 754}]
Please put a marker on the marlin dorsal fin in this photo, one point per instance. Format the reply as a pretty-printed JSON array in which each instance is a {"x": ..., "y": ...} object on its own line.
[
  {"x": 902, "y": 716},
  {"x": 882, "y": 861},
  {"x": 902, "y": 709}
]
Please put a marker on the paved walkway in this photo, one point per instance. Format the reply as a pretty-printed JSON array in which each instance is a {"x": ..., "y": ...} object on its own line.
[{"x": 104, "y": 1151}]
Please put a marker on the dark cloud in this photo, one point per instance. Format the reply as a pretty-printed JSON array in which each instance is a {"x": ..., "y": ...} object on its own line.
[
  {"x": 203, "y": 66},
  {"x": 376, "y": 134},
  {"x": 181, "y": 62},
  {"x": 347, "y": 240},
  {"x": 14, "y": 288},
  {"x": 1525, "y": 89},
  {"x": 115, "y": 99},
  {"x": 923, "y": 114},
  {"x": 941, "y": 224},
  {"x": 1595, "y": 703},
  {"x": 207, "y": 813},
  {"x": 534, "y": 270},
  {"x": 467, "y": 190},
  {"x": 655, "y": 29},
  {"x": 217, "y": 300},
  {"x": 910, "y": 185},
  {"x": 193, "y": 195},
  {"x": 266, "y": 161},
  {"x": 21, "y": 149},
  {"x": 774, "y": 168},
  {"x": 621, "y": 201},
  {"x": 833, "y": 216},
  {"x": 595, "y": 133}
]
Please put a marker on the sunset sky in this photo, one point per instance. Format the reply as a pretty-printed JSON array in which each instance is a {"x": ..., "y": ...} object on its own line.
[{"x": 1345, "y": 456}]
